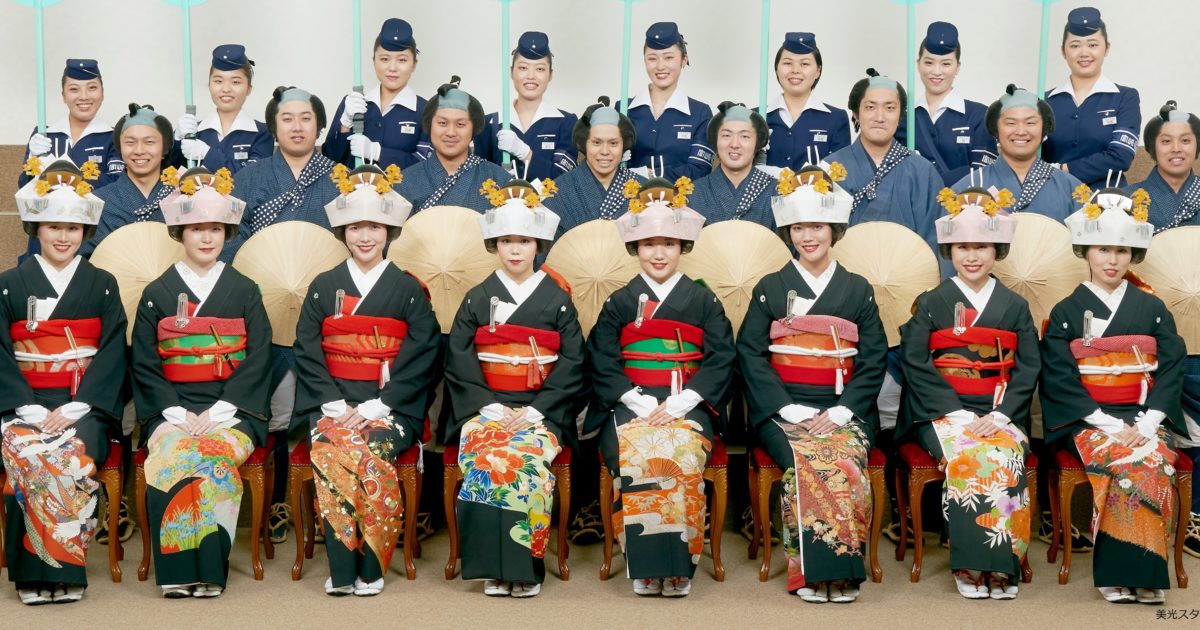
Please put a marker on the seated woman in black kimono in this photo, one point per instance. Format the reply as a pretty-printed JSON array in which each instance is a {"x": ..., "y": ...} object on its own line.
[
  {"x": 1112, "y": 379},
  {"x": 62, "y": 329},
  {"x": 813, "y": 352},
  {"x": 201, "y": 345},
  {"x": 970, "y": 356},
  {"x": 661, "y": 358},
  {"x": 366, "y": 344},
  {"x": 514, "y": 366}
]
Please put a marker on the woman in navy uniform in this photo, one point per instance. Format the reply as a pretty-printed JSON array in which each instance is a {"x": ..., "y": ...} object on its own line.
[
  {"x": 671, "y": 128},
  {"x": 229, "y": 138},
  {"x": 79, "y": 136},
  {"x": 539, "y": 137},
  {"x": 736, "y": 190},
  {"x": 1019, "y": 120},
  {"x": 391, "y": 111},
  {"x": 798, "y": 121},
  {"x": 950, "y": 129},
  {"x": 1097, "y": 121},
  {"x": 595, "y": 189},
  {"x": 452, "y": 176}
]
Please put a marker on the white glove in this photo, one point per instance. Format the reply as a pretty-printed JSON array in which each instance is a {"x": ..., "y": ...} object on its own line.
[
  {"x": 187, "y": 125},
  {"x": 193, "y": 150},
  {"x": 40, "y": 144},
  {"x": 773, "y": 171},
  {"x": 1106, "y": 423},
  {"x": 508, "y": 142},
  {"x": 642, "y": 405},
  {"x": 795, "y": 414},
  {"x": 362, "y": 147},
  {"x": 678, "y": 405},
  {"x": 627, "y": 155},
  {"x": 354, "y": 103},
  {"x": 1147, "y": 422},
  {"x": 644, "y": 171}
]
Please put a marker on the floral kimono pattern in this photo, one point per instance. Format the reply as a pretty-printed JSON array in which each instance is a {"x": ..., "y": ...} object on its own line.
[
  {"x": 1133, "y": 518},
  {"x": 358, "y": 491},
  {"x": 661, "y": 491},
  {"x": 506, "y": 499},
  {"x": 826, "y": 505},
  {"x": 194, "y": 491},
  {"x": 51, "y": 479},
  {"x": 986, "y": 500}
]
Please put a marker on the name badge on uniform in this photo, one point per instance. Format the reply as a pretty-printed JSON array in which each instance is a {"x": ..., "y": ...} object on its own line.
[
  {"x": 96, "y": 158},
  {"x": 548, "y": 146},
  {"x": 408, "y": 128},
  {"x": 683, "y": 135},
  {"x": 963, "y": 139},
  {"x": 1108, "y": 120},
  {"x": 820, "y": 137},
  {"x": 241, "y": 155}
]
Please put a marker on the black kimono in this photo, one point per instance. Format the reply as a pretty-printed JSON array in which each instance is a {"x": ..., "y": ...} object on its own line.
[
  {"x": 58, "y": 525},
  {"x": 658, "y": 545},
  {"x": 193, "y": 489},
  {"x": 343, "y": 358},
  {"x": 506, "y": 499}
]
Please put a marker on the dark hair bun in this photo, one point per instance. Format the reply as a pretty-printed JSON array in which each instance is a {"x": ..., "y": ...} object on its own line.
[
  {"x": 872, "y": 73},
  {"x": 1011, "y": 89},
  {"x": 1166, "y": 110},
  {"x": 604, "y": 101}
]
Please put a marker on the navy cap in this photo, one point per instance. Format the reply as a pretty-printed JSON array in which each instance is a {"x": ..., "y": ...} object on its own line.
[
  {"x": 229, "y": 57},
  {"x": 800, "y": 43},
  {"x": 533, "y": 45},
  {"x": 396, "y": 35},
  {"x": 662, "y": 35},
  {"x": 1084, "y": 21},
  {"x": 941, "y": 38},
  {"x": 82, "y": 69}
]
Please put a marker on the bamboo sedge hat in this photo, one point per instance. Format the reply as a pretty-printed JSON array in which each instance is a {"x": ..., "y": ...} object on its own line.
[
  {"x": 59, "y": 192},
  {"x": 975, "y": 216},
  {"x": 659, "y": 209},
  {"x": 812, "y": 196},
  {"x": 1111, "y": 217},
  {"x": 201, "y": 196},
  {"x": 367, "y": 195},
  {"x": 517, "y": 210}
]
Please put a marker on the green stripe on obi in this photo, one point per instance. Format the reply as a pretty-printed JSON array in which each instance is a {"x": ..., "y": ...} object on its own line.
[
  {"x": 202, "y": 342},
  {"x": 659, "y": 346}
]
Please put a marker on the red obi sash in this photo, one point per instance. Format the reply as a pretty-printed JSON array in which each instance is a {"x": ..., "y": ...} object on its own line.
[
  {"x": 361, "y": 347},
  {"x": 814, "y": 350},
  {"x": 516, "y": 358},
  {"x": 977, "y": 384},
  {"x": 1111, "y": 371},
  {"x": 660, "y": 350},
  {"x": 202, "y": 349},
  {"x": 56, "y": 352}
]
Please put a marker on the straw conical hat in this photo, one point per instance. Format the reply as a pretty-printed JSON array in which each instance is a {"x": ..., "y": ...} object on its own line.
[
  {"x": 1172, "y": 267},
  {"x": 897, "y": 263},
  {"x": 136, "y": 254},
  {"x": 283, "y": 259},
  {"x": 593, "y": 259},
  {"x": 444, "y": 248},
  {"x": 1040, "y": 266},
  {"x": 731, "y": 257}
]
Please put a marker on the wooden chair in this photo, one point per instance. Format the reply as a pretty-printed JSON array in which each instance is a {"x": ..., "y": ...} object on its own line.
[
  {"x": 764, "y": 473},
  {"x": 1067, "y": 474},
  {"x": 257, "y": 472},
  {"x": 716, "y": 472},
  {"x": 452, "y": 480},
  {"x": 300, "y": 478},
  {"x": 919, "y": 469}
]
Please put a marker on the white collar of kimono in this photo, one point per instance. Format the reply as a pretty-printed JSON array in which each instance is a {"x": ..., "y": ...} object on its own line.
[
  {"x": 242, "y": 122},
  {"x": 953, "y": 101},
  {"x": 979, "y": 301},
  {"x": 678, "y": 101},
  {"x": 58, "y": 279},
  {"x": 364, "y": 281},
  {"x": 201, "y": 286},
  {"x": 544, "y": 110},
  {"x": 1103, "y": 85},
  {"x": 818, "y": 284},
  {"x": 520, "y": 291},
  {"x": 780, "y": 105},
  {"x": 661, "y": 291},
  {"x": 405, "y": 98},
  {"x": 1110, "y": 300},
  {"x": 64, "y": 126}
]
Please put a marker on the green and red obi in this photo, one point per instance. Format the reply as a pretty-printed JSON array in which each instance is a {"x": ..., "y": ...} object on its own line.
[
  {"x": 200, "y": 349},
  {"x": 814, "y": 350},
  {"x": 975, "y": 361},
  {"x": 361, "y": 347},
  {"x": 53, "y": 354},
  {"x": 1117, "y": 370},
  {"x": 516, "y": 358},
  {"x": 661, "y": 352}
]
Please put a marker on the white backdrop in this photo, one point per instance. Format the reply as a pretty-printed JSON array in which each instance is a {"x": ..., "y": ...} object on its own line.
[{"x": 307, "y": 43}]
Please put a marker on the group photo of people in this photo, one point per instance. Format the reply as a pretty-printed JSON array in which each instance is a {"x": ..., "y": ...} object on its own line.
[{"x": 840, "y": 325}]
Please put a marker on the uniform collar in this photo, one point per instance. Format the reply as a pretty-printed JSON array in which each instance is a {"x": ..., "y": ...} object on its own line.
[
  {"x": 64, "y": 126},
  {"x": 1103, "y": 85},
  {"x": 407, "y": 98},
  {"x": 813, "y": 103},
  {"x": 953, "y": 101},
  {"x": 678, "y": 101},
  {"x": 544, "y": 110},
  {"x": 242, "y": 122}
]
